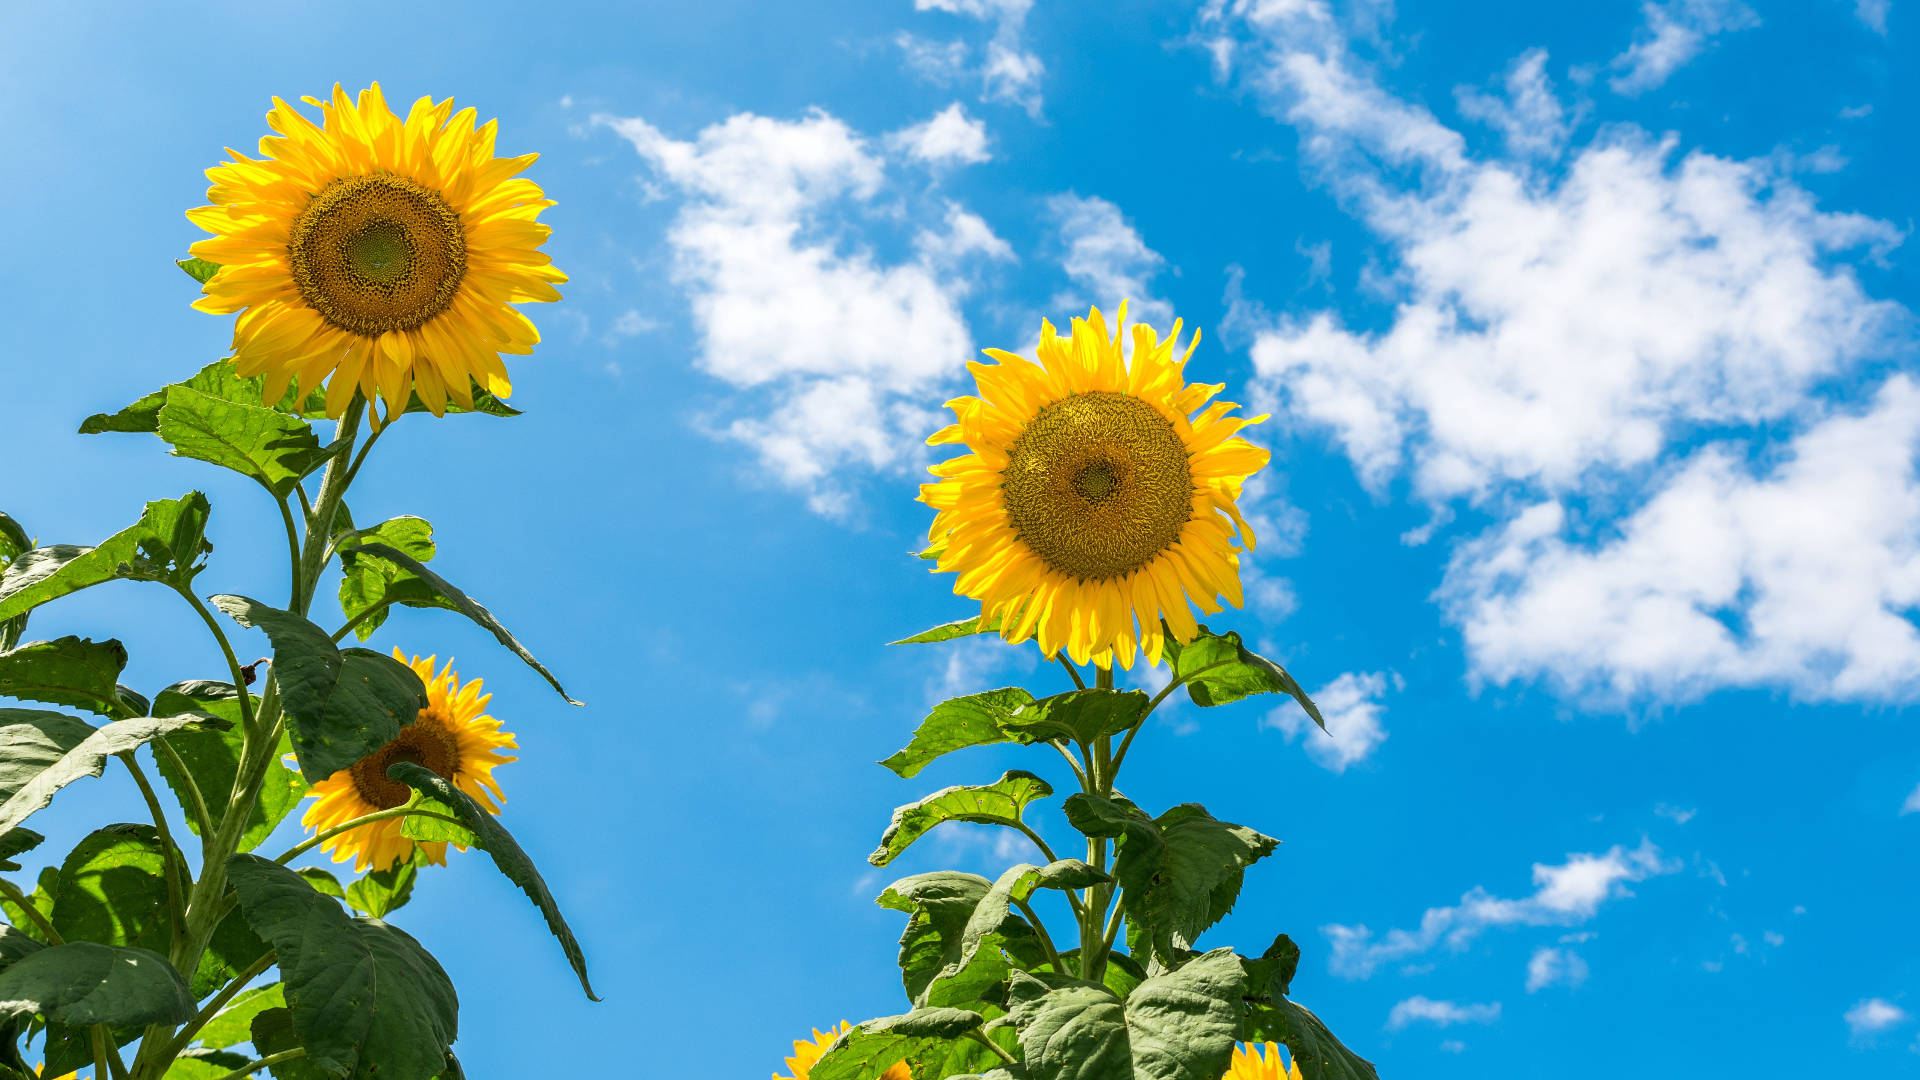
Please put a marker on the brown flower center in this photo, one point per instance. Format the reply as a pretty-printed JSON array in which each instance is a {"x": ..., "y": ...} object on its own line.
[
  {"x": 428, "y": 742},
  {"x": 377, "y": 253}
]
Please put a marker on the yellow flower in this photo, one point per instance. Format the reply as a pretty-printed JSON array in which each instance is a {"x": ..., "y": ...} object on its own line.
[
  {"x": 373, "y": 253},
  {"x": 452, "y": 737},
  {"x": 806, "y": 1053},
  {"x": 1255, "y": 1062},
  {"x": 1094, "y": 498}
]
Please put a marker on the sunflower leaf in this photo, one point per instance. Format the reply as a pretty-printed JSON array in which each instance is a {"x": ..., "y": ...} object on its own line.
[
  {"x": 344, "y": 704},
  {"x": 986, "y": 936},
  {"x": 271, "y": 447},
  {"x": 42, "y": 752},
  {"x": 869, "y": 1049},
  {"x": 13, "y": 541},
  {"x": 940, "y": 906},
  {"x": 363, "y": 997},
  {"x": 216, "y": 380},
  {"x": 84, "y": 982},
  {"x": 1218, "y": 670},
  {"x": 953, "y": 631},
  {"x": 272, "y": 1032},
  {"x": 418, "y": 586},
  {"x": 1315, "y": 1050},
  {"x": 1180, "y": 874},
  {"x": 381, "y": 891},
  {"x": 998, "y": 803},
  {"x": 233, "y": 1024},
  {"x": 491, "y": 837},
  {"x": 68, "y": 671},
  {"x": 16, "y": 843},
  {"x": 164, "y": 545},
  {"x": 1176, "y": 1026},
  {"x": 957, "y": 723},
  {"x": 369, "y": 586},
  {"x": 1084, "y": 716},
  {"x": 40, "y": 900},
  {"x": 198, "y": 269},
  {"x": 212, "y": 758}
]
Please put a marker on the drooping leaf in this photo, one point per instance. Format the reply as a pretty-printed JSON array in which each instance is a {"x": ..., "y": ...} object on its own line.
[
  {"x": 379, "y": 892},
  {"x": 83, "y": 982},
  {"x": 418, "y": 586},
  {"x": 68, "y": 671},
  {"x": 938, "y": 906},
  {"x": 164, "y": 545},
  {"x": 1102, "y": 817},
  {"x": 13, "y": 541},
  {"x": 371, "y": 585},
  {"x": 492, "y": 838},
  {"x": 952, "y": 631},
  {"x": 212, "y": 757},
  {"x": 957, "y": 723},
  {"x": 1317, "y": 1053},
  {"x": 271, "y": 447},
  {"x": 869, "y": 1049},
  {"x": 343, "y": 704},
  {"x": 233, "y": 1025},
  {"x": 1083, "y": 716},
  {"x": 364, "y": 998},
  {"x": 1181, "y": 873},
  {"x": 1218, "y": 669},
  {"x": 42, "y": 752},
  {"x": 998, "y": 803}
]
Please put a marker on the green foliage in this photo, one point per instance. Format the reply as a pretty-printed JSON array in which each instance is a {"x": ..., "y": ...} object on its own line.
[
  {"x": 344, "y": 704},
  {"x": 40, "y": 901},
  {"x": 233, "y": 1025},
  {"x": 381, "y": 891},
  {"x": 412, "y": 584},
  {"x": 16, "y": 843},
  {"x": 869, "y": 1049},
  {"x": 69, "y": 671},
  {"x": 364, "y": 999},
  {"x": 1081, "y": 716},
  {"x": 957, "y": 723},
  {"x": 1271, "y": 976},
  {"x": 1217, "y": 670},
  {"x": 1181, "y": 874},
  {"x": 1177, "y": 1026},
  {"x": 1314, "y": 1048},
  {"x": 998, "y": 803},
  {"x": 198, "y": 269},
  {"x": 165, "y": 545},
  {"x": 84, "y": 982},
  {"x": 42, "y": 752},
  {"x": 13, "y": 541},
  {"x": 112, "y": 889},
  {"x": 489, "y": 836},
  {"x": 952, "y": 631},
  {"x": 271, "y": 447},
  {"x": 272, "y": 1031},
  {"x": 211, "y": 755},
  {"x": 370, "y": 586},
  {"x": 938, "y": 907}
]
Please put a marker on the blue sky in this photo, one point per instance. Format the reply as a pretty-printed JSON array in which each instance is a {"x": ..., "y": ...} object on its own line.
[{"x": 1588, "y": 331}]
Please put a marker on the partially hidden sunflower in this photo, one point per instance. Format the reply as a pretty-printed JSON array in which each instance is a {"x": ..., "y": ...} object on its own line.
[
  {"x": 805, "y": 1053},
  {"x": 453, "y": 737},
  {"x": 1254, "y": 1061},
  {"x": 1099, "y": 497},
  {"x": 370, "y": 253}
]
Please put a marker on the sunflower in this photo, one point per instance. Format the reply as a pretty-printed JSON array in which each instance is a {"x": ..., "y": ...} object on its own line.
[
  {"x": 366, "y": 252},
  {"x": 1094, "y": 499},
  {"x": 452, "y": 737},
  {"x": 806, "y": 1053},
  {"x": 1252, "y": 1061}
]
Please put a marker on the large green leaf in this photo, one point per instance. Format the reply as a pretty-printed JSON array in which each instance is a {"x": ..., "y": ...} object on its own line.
[
  {"x": 372, "y": 585},
  {"x": 273, "y": 1032},
  {"x": 416, "y": 586},
  {"x": 1015, "y": 886},
  {"x": 42, "y": 752},
  {"x": 998, "y": 803},
  {"x": 273, "y": 448},
  {"x": 1218, "y": 669},
  {"x": 13, "y": 541},
  {"x": 164, "y": 545},
  {"x": 68, "y": 671},
  {"x": 212, "y": 757},
  {"x": 365, "y": 999},
  {"x": 83, "y": 982},
  {"x": 343, "y": 704},
  {"x": 938, "y": 906},
  {"x": 952, "y": 631},
  {"x": 233, "y": 1025},
  {"x": 40, "y": 900},
  {"x": 1083, "y": 716},
  {"x": 1271, "y": 975},
  {"x": 381, "y": 891},
  {"x": 490, "y": 837},
  {"x": 16, "y": 944},
  {"x": 1315, "y": 1051},
  {"x": 1102, "y": 817},
  {"x": 1181, "y": 874},
  {"x": 869, "y": 1049},
  {"x": 1077, "y": 1031},
  {"x": 957, "y": 723},
  {"x": 1176, "y": 1026}
]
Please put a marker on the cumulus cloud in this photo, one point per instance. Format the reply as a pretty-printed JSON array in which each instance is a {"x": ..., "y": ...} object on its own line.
[
  {"x": 1419, "y": 1009},
  {"x": 1675, "y": 32},
  {"x": 949, "y": 137},
  {"x": 836, "y": 350},
  {"x": 1351, "y": 706},
  {"x": 1870, "y": 1016},
  {"x": 1566, "y": 894},
  {"x": 1555, "y": 967},
  {"x": 1106, "y": 259},
  {"x": 1008, "y": 71}
]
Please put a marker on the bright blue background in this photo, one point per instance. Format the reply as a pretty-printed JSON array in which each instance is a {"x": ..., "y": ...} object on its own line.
[{"x": 704, "y": 820}]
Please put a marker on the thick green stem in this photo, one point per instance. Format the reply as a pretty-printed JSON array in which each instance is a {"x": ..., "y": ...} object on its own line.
[
  {"x": 226, "y": 649},
  {"x": 993, "y": 1046},
  {"x": 245, "y": 1071},
  {"x": 212, "y": 1008},
  {"x": 197, "y": 801},
  {"x": 173, "y": 865},
  {"x": 1046, "y": 939},
  {"x": 325, "y": 835},
  {"x": 12, "y": 892}
]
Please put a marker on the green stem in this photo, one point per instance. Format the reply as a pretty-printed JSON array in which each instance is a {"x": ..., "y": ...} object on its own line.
[
  {"x": 174, "y": 867},
  {"x": 226, "y": 649},
  {"x": 245, "y": 1071},
  {"x": 333, "y": 488},
  {"x": 212, "y": 1008},
  {"x": 1046, "y": 939},
  {"x": 325, "y": 835},
  {"x": 360, "y": 618},
  {"x": 976, "y": 1036},
  {"x": 101, "y": 1069},
  {"x": 293, "y": 546},
  {"x": 195, "y": 797},
  {"x": 13, "y": 893},
  {"x": 1072, "y": 672},
  {"x": 365, "y": 448},
  {"x": 1079, "y": 773}
]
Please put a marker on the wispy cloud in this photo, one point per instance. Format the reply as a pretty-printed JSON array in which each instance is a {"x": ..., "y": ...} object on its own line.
[
  {"x": 1425, "y": 1010},
  {"x": 1106, "y": 259},
  {"x": 1555, "y": 967},
  {"x": 1675, "y": 32},
  {"x": 1352, "y": 708},
  {"x": 1008, "y": 70},
  {"x": 1871, "y": 1016}
]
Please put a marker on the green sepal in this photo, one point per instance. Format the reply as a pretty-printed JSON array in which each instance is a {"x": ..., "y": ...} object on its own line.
[
  {"x": 998, "y": 803},
  {"x": 71, "y": 671},
  {"x": 1217, "y": 670},
  {"x": 166, "y": 544},
  {"x": 197, "y": 268}
]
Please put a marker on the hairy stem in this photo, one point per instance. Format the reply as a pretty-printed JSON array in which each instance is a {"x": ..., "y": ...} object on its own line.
[{"x": 980, "y": 1038}]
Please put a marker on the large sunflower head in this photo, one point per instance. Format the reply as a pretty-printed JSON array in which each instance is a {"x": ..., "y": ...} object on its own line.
[
  {"x": 370, "y": 253},
  {"x": 1254, "y": 1061},
  {"x": 805, "y": 1053},
  {"x": 1099, "y": 496},
  {"x": 453, "y": 737}
]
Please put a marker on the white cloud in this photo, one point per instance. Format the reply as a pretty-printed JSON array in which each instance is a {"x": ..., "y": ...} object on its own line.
[
  {"x": 1564, "y": 895},
  {"x": 1676, "y": 31},
  {"x": 1555, "y": 967},
  {"x": 836, "y": 350},
  {"x": 1873, "y": 14},
  {"x": 1676, "y": 814},
  {"x": 1774, "y": 938},
  {"x": 966, "y": 234},
  {"x": 1009, "y": 71},
  {"x": 1873, "y": 1015},
  {"x": 1419, "y": 1009},
  {"x": 950, "y": 136},
  {"x": 1452, "y": 1046},
  {"x": 1912, "y": 805},
  {"x": 1530, "y": 116},
  {"x": 1106, "y": 260},
  {"x": 1351, "y": 706}
]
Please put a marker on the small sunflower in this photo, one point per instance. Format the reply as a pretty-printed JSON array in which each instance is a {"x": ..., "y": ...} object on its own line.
[
  {"x": 371, "y": 253},
  {"x": 452, "y": 737},
  {"x": 1094, "y": 499},
  {"x": 1252, "y": 1061},
  {"x": 806, "y": 1053}
]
